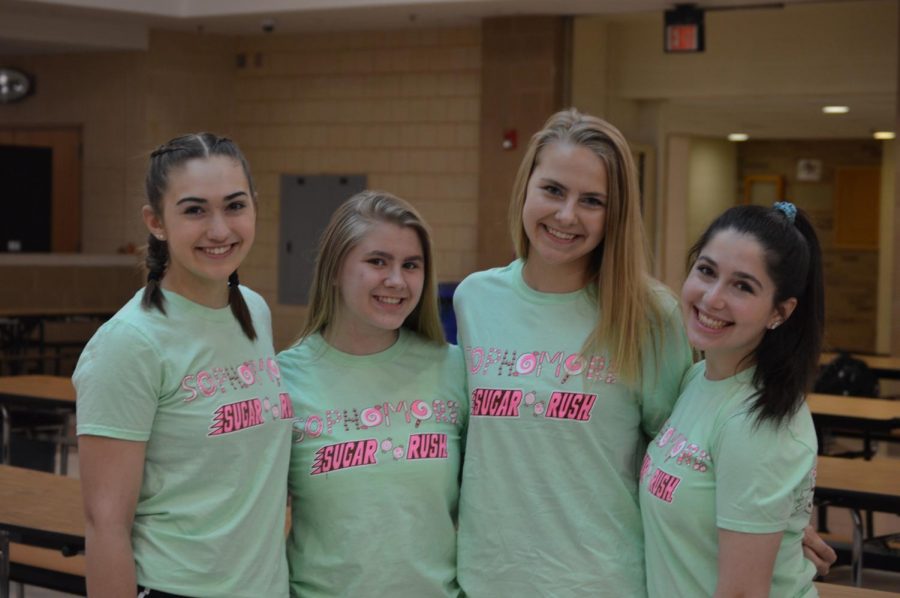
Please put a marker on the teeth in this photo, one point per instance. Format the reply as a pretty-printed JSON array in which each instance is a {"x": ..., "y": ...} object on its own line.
[
  {"x": 559, "y": 234},
  {"x": 710, "y": 322},
  {"x": 217, "y": 250},
  {"x": 390, "y": 300}
]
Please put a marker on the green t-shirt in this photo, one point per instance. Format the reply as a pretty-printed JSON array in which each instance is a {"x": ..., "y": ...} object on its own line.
[
  {"x": 549, "y": 502},
  {"x": 216, "y": 419},
  {"x": 374, "y": 474},
  {"x": 711, "y": 467}
]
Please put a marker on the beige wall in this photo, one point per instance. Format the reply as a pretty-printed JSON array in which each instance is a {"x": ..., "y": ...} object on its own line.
[
  {"x": 837, "y": 47},
  {"x": 712, "y": 182},
  {"x": 851, "y": 276},
  {"x": 400, "y": 107}
]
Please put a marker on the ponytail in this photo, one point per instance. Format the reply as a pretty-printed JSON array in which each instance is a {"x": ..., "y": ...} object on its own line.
[{"x": 239, "y": 306}]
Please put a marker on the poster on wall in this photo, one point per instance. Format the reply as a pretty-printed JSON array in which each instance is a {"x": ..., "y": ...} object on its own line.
[{"x": 809, "y": 170}]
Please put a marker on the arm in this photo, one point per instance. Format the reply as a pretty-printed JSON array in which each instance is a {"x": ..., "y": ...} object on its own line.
[
  {"x": 111, "y": 472},
  {"x": 746, "y": 562},
  {"x": 816, "y": 550}
]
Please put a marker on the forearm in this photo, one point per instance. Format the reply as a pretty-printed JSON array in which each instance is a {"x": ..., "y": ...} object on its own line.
[{"x": 109, "y": 561}]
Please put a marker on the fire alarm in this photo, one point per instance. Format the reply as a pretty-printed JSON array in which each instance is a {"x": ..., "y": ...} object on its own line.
[{"x": 510, "y": 139}]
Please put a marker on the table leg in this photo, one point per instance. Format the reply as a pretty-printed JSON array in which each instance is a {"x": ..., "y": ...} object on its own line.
[
  {"x": 857, "y": 551},
  {"x": 4, "y": 564},
  {"x": 64, "y": 445},
  {"x": 5, "y": 434}
]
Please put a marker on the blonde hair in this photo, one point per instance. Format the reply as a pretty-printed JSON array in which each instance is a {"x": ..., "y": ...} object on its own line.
[
  {"x": 348, "y": 225},
  {"x": 629, "y": 312}
]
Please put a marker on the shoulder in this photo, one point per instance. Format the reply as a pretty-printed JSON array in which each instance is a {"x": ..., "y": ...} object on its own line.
[
  {"x": 478, "y": 281},
  {"x": 694, "y": 374},
  {"x": 131, "y": 324},
  {"x": 792, "y": 436},
  {"x": 663, "y": 298},
  {"x": 298, "y": 356},
  {"x": 427, "y": 350},
  {"x": 254, "y": 300}
]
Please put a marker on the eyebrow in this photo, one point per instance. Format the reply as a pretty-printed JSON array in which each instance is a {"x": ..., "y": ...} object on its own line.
[
  {"x": 555, "y": 183},
  {"x": 191, "y": 198},
  {"x": 390, "y": 256},
  {"x": 741, "y": 275}
]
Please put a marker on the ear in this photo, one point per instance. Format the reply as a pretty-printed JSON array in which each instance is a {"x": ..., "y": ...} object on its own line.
[
  {"x": 782, "y": 312},
  {"x": 154, "y": 222}
]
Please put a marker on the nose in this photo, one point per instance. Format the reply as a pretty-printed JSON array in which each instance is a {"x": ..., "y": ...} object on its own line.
[
  {"x": 714, "y": 296},
  {"x": 218, "y": 227},
  {"x": 394, "y": 277},
  {"x": 566, "y": 212}
]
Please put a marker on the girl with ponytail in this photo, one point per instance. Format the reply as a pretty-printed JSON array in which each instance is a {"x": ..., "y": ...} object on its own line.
[
  {"x": 183, "y": 424},
  {"x": 727, "y": 486}
]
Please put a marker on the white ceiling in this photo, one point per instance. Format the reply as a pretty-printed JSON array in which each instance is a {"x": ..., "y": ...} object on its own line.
[{"x": 41, "y": 26}]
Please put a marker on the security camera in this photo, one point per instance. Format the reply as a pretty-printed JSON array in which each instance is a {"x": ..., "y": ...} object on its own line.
[{"x": 268, "y": 25}]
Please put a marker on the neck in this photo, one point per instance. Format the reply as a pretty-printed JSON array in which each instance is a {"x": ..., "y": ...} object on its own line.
[
  {"x": 720, "y": 367},
  {"x": 551, "y": 278},
  {"x": 213, "y": 295},
  {"x": 356, "y": 342}
]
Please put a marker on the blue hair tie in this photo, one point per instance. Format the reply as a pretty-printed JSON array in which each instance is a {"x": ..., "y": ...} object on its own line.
[{"x": 786, "y": 208}]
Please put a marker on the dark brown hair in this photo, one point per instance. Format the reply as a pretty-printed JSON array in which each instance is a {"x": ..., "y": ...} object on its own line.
[{"x": 163, "y": 160}]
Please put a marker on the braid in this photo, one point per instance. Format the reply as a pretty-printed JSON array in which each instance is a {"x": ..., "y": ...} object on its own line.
[
  {"x": 239, "y": 306},
  {"x": 156, "y": 260}
]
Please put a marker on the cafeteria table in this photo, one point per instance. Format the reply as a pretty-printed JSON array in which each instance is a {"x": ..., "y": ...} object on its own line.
[
  {"x": 858, "y": 485},
  {"x": 36, "y": 393},
  {"x": 38, "y": 509}
]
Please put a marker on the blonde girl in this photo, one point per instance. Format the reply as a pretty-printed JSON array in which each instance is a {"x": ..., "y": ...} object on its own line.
[{"x": 380, "y": 404}]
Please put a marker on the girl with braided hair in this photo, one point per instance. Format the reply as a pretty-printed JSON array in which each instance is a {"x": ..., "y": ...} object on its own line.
[{"x": 184, "y": 426}]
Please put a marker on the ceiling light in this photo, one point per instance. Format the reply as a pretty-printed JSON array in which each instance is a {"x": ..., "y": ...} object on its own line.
[
  {"x": 835, "y": 109},
  {"x": 883, "y": 135},
  {"x": 738, "y": 137}
]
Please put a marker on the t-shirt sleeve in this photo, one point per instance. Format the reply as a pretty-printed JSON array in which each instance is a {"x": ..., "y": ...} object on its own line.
[
  {"x": 459, "y": 384},
  {"x": 118, "y": 382},
  {"x": 668, "y": 359},
  {"x": 760, "y": 470}
]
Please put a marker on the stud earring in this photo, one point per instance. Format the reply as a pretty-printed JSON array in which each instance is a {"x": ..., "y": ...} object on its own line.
[
  {"x": 774, "y": 324},
  {"x": 161, "y": 237}
]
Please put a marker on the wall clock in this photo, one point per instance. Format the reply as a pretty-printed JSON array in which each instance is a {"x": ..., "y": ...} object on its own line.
[{"x": 14, "y": 85}]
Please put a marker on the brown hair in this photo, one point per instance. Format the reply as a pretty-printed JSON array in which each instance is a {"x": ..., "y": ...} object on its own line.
[{"x": 163, "y": 160}]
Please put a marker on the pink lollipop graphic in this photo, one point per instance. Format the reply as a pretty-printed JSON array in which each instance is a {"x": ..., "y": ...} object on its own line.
[
  {"x": 246, "y": 374},
  {"x": 420, "y": 410},
  {"x": 372, "y": 417},
  {"x": 539, "y": 408},
  {"x": 574, "y": 365},
  {"x": 398, "y": 452},
  {"x": 526, "y": 364},
  {"x": 386, "y": 445},
  {"x": 529, "y": 398}
]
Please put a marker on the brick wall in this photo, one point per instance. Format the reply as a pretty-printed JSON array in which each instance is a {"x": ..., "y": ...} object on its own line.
[{"x": 401, "y": 107}]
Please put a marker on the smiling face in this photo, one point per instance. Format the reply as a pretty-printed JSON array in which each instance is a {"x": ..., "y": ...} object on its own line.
[
  {"x": 564, "y": 216},
  {"x": 208, "y": 219},
  {"x": 728, "y": 300},
  {"x": 379, "y": 285}
]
